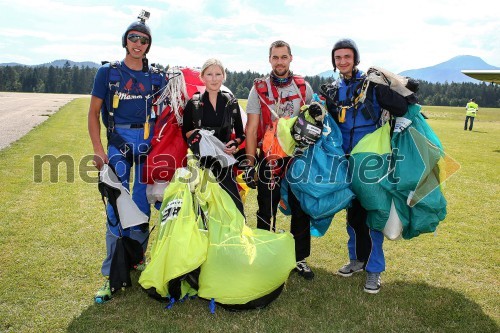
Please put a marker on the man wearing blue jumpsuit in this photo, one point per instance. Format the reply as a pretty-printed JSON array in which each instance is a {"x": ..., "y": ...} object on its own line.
[
  {"x": 129, "y": 132},
  {"x": 355, "y": 120}
]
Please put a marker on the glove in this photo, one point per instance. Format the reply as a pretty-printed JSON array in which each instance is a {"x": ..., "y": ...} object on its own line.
[
  {"x": 316, "y": 111},
  {"x": 194, "y": 142},
  {"x": 412, "y": 85},
  {"x": 305, "y": 133},
  {"x": 250, "y": 177}
]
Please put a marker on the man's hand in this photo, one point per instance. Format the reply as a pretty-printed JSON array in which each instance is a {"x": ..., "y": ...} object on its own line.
[
  {"x": 100, "y": 158},
  {"x": 250, "y": 176}
]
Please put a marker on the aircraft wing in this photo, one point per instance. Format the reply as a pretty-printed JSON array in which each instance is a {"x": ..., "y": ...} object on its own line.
[{"x": 484, "y": 75}]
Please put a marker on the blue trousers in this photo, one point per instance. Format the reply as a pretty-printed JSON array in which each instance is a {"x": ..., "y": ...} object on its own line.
[
  {"x": 364, "y": 244},
  {"x": 123, "y": 167}
]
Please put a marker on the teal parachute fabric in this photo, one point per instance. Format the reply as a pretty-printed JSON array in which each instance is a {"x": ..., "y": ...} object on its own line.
[
  {"x": 419, "y": 171},
  {"x": 407, "y": 172},
  {"x": 318, "y": 178}
]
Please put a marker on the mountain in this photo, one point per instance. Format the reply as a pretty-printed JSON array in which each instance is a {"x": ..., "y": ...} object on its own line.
[
  {"x": 329, "y": 74},
  {"x": 62, "y": 62},
  {"x": 11, "y": 64},
  {"x": 450, "y": 71},
  {"x": 58, "y": 63}
]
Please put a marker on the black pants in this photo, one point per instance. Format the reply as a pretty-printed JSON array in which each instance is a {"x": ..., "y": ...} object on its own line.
[
  {"x": 268, "y": 197},
  {"x": 227, "y": 180},
  {"x": 471, "y": 122},
  {"x": 356, "y": 219}
]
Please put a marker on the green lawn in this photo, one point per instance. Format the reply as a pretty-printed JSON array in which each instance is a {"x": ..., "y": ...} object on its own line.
[{"x": 52, "y": 228}]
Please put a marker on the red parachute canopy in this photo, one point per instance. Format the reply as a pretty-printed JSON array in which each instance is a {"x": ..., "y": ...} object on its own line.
[{"x": 193, "y": 81}]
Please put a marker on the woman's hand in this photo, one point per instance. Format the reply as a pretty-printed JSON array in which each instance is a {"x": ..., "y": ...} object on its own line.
[{"x": 231, "y": 147}]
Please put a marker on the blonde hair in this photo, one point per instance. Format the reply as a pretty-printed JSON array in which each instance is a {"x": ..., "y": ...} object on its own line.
[{"x": 210, "y": 62}]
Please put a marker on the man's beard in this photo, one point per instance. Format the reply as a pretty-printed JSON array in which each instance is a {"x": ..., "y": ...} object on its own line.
[{"x": 282, "y": 72}]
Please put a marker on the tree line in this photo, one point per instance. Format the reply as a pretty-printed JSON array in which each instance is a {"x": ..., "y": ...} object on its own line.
[
  {"x": 79, "y": 80},
  {"x": 42, "y": 79}
]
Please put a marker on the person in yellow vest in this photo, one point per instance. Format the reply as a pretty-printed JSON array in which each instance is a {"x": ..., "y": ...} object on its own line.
[{"x": 471, "y": 110}]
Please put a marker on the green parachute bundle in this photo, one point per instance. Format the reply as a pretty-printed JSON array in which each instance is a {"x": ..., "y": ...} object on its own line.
[
  {"x": 419, "y": 174},
  {"x": 243, "y": 265},
  {"x": 181, "y": 246},
  {"x": 401, "y": 182},
  {"x": 239, "y": 267}
]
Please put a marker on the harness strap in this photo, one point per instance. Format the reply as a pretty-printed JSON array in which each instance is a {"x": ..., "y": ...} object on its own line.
[
  {"x": 198, "y": 109},
  {"x": 115, "y": 77},
  {"x": 229, "y": 111},
  {"x": 262, "y": 89}
]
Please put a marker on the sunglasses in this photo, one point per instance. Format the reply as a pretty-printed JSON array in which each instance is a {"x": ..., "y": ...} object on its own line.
[{"x": 134, "y": 38}]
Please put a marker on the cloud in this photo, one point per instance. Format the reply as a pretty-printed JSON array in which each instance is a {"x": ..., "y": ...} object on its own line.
[{"x": 239, "y": 32}]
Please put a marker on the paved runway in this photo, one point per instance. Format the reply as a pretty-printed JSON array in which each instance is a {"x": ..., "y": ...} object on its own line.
[{"x": 21, "y": 112}]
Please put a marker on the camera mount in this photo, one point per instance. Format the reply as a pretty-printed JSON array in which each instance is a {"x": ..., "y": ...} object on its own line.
[{"x": 143, "y": 16}]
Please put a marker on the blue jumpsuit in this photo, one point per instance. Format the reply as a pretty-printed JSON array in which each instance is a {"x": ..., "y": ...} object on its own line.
[
  {"x": 134, "y": 105},
  {"x": 364, "y": 244}
]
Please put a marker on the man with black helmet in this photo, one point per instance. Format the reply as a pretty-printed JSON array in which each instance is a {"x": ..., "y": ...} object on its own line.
[
  {"x": 281, "y": 94},
  {"x": 355, "y": 120},
  {"x": 123, "y": 94}
]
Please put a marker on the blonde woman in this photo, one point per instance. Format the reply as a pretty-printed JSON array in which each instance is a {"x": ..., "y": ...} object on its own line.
[{"x": 217, "y": 111}]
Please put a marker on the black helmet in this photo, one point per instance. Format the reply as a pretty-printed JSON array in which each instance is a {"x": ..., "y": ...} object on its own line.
[
  {"x": 305, "y": 133},
  {"x": 140, "y": 26},
  {"x": 345, "y": 43}
]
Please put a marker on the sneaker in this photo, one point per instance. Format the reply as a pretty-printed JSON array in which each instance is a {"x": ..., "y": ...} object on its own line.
[
  {"x": 350, "y": 268},
  {"x": 304, "y": 270},
  {"x": 103, "y": 294},
  {"x": 140, "y": 266},
  {"x": 373, "y": 282}
]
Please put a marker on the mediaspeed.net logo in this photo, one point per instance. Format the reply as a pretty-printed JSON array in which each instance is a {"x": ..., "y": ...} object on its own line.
[{"x": 428, "y": 167}]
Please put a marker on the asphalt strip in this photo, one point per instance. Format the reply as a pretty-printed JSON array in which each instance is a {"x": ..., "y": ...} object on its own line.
[{"x": 21, "y": 112}]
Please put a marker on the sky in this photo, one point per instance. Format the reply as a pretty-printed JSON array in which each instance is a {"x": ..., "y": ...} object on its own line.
[{"x": 396, "y": 35}]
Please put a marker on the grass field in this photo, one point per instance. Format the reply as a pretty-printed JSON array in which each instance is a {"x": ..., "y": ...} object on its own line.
[{"x": 52, "y": 244}]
